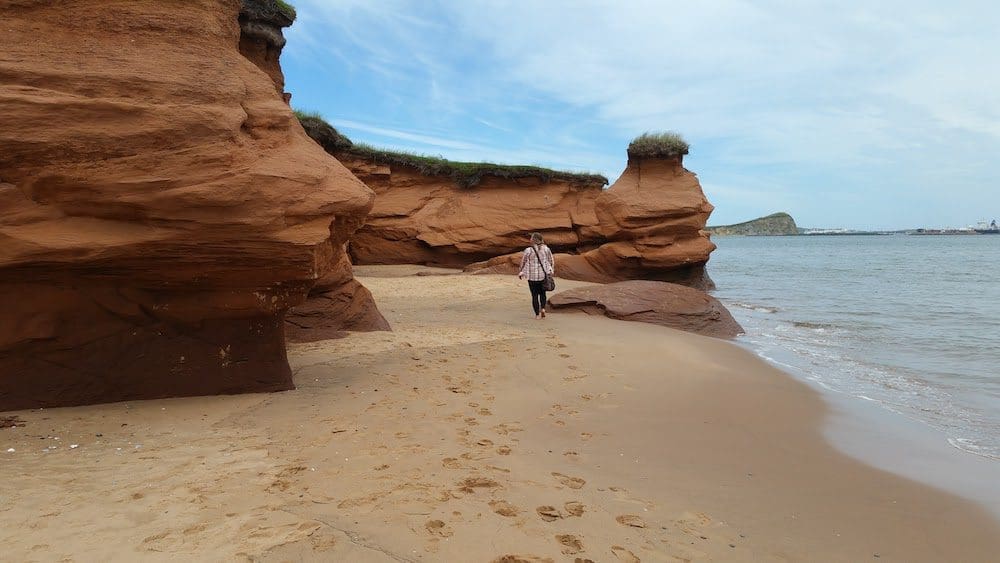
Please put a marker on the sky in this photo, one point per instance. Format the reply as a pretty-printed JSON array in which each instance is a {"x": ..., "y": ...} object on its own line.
[{"x": 863, "y": 115}]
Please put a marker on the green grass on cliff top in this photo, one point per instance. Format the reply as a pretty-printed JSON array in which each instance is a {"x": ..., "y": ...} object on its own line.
[
  {"x": 465, "y": 174},
  {"x": 654, "y": 145},
  {"x": 287, "y": 8},
  {"x": 301, "y": 115}
]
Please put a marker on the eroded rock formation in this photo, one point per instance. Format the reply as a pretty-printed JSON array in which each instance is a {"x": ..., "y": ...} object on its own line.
[
  {"x": 647, "y": 225},
  {"x": 666, "y": 304},
  {"x": 338, "y": 302},
  {"x": 652, "y": 218},
  {"x": 428, "y": 219},
  {"x": 261, "y": 38},
  {"x": 335, "y": 305},
  {"x": 160, "y": 207}
]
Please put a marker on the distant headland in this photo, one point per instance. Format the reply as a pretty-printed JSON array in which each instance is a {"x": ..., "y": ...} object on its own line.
[
  {"x": 782, "y": 224},
  {"x": 776, "y": 224}
]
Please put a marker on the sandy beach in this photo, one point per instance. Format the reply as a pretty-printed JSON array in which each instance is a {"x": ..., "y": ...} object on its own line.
[{"x": 474, "y": 433}]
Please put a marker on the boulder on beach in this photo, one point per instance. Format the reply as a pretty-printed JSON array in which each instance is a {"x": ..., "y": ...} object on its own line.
[{"x": 662, "y": 303}]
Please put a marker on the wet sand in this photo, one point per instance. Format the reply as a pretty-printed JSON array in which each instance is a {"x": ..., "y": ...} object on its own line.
[{"x": 475, "y": 433}]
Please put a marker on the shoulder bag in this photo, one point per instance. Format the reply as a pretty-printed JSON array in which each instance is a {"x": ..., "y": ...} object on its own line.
[{"x": 550, "y": 282}]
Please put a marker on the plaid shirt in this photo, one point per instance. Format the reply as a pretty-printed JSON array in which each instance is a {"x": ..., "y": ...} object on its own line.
[{"x": 531, "y": 269}]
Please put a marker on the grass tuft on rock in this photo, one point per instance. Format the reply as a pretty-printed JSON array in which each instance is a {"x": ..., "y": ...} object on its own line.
[
  {"x": 322, "y": 132},
  {"x": 287, "y": 8},
  {"x": 658, "y": 145},
  {"x": 275, "y": 12},
  {"x": 465, "y": 174}
]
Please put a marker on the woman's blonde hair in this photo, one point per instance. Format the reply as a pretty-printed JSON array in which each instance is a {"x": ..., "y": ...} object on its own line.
[{"x": 536, "y": 238}]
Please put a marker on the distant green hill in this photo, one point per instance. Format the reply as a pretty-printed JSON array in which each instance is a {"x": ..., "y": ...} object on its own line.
[{"x": 776, "y": 224}]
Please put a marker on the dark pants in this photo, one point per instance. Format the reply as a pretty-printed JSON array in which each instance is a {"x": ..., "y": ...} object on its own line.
[{"x": 537, "y": 295}]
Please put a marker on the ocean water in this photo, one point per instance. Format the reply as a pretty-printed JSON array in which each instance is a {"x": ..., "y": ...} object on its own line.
[{"x": 908, "y": 323}]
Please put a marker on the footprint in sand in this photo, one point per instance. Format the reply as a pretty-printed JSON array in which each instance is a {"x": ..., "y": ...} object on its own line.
[
  {"x": 624, "y": 555},
  {"x": 571, "y": 544},
  {"x": 623, "y": 495},
  {"x": 521, "y": 559},
  {"x": 563, "y": 355},
  {"x": 485, "y": 442},
  {"x": 549, "y": 513},
  {"x": 504, "y": 508},
  {"x": 692, "y": 523},
  {"x": 470, "y": 484},
  {"x": 571, "y": 482},
  {"x": 631, "y": 520},
  {"x": 504, "y": 450},
  {"x": 574, "y": 508},
  {"x": 508, "y": 427},
  {"x": 439, "y": 528}
]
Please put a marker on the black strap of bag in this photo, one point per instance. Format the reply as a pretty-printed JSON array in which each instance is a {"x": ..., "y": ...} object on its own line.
[
  {"x": 540, "y": 263},
  {"x": 550, "y": 282}
]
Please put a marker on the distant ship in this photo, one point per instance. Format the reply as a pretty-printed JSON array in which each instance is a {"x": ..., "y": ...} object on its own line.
[{"x": 992, "y": 229}]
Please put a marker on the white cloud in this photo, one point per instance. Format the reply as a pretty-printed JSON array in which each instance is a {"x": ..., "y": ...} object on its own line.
[
  {"x": 405, "y": 136},
  {"x": 821, "y": 101}
]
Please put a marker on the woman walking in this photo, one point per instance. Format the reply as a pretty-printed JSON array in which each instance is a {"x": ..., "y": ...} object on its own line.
[{"x": 536, "y": 262}]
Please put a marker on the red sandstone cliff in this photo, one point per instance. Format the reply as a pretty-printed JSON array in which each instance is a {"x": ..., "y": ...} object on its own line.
[
  {"x": 261, "y": 38},
  {"x": 429, "y": 219},
  {"x": 647, "y": 225},
  {"x": 160, "y": 207},
  {"x": 652, "y": 219},
  {"x": 338, "y": 302}
]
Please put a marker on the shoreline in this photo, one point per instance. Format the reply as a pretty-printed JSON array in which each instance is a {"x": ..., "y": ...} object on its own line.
[
  {"x": 902, "y": 445},
  {"x": 473, "y": 432}
]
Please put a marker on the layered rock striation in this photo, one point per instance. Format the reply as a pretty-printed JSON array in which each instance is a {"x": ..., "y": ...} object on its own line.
[
  {"x": 651, "y": 223},
  {"x": 261, "y": 36},
  {"x": 440, "y": 213},
  {"x": 428, "y": 219},
  {"x": 649, "y": 226},
  {"x": 337, "y": 303},
  {"x": 160, "y": 206}
]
